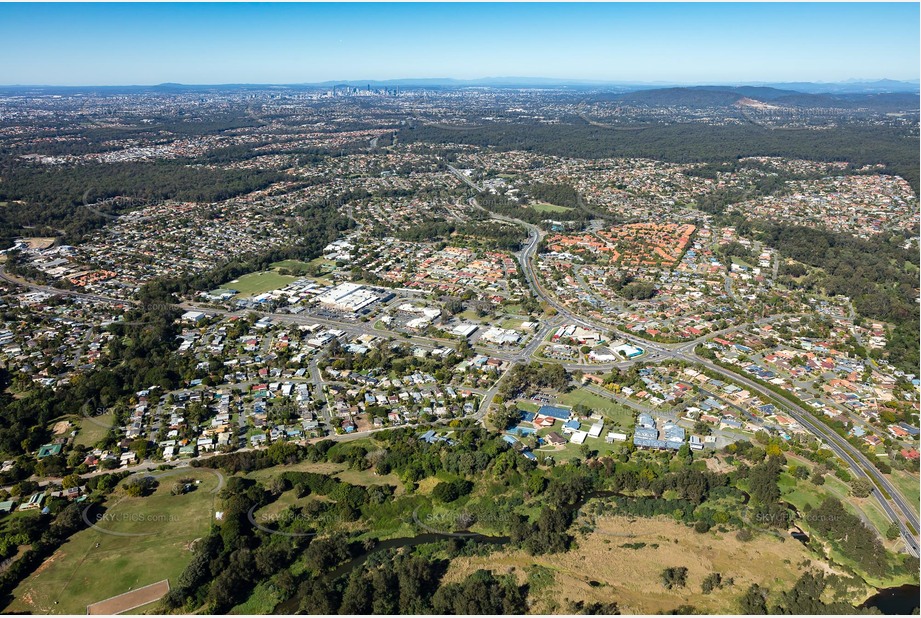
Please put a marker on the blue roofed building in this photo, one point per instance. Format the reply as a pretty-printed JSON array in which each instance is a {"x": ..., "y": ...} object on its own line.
[
  {"x": 556, "y": 412},
  {"x": 646, "y": 434},
  {"x": 572, "y": 425},
  {"x": 528, "y": 417}
]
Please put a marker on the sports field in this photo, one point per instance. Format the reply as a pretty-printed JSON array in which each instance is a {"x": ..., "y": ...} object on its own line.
[
  {"x": 257, "y": 283},
  {"x": 129, "y": 600},
  {"x": 103, "y": 561}
]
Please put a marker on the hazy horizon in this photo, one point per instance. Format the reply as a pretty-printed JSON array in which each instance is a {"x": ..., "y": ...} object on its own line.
[
  {"x": 537, "y": 81},
  {"x": 287, "y": 44}
]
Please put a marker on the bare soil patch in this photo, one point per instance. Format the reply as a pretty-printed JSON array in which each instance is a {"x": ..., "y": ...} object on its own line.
[{"x": 130, "y": 600}]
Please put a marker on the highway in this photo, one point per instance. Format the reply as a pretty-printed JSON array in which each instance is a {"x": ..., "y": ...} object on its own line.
[
  {"x": 859, "y": 464},
  {"x": 895, "y": 505}
]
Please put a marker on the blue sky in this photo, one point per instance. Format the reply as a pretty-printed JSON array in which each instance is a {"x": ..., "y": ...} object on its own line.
[{"x": 98, "y": 44}]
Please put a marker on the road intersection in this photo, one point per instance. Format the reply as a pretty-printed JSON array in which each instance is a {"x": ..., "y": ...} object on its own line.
[{"x": 890, "y": 498}]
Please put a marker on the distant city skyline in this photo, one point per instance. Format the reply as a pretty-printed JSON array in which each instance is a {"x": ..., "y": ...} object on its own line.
[{"x": 684, "y": 43}]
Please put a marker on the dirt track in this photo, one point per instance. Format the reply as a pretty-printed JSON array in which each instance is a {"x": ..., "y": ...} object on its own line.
[{"x": 129, "y": 600}]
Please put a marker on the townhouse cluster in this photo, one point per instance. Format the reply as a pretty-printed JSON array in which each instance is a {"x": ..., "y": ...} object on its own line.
[{"x": 491, "y": 275}]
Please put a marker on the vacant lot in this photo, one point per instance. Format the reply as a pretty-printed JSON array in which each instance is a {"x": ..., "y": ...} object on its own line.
[
  {"x": 38, "y": 242},
  {"x": 92, "y": 430},
  {"x": 95, "y": 564},
  {"x": 545, "y": 207},
  {"x": 600, "y": 569}
]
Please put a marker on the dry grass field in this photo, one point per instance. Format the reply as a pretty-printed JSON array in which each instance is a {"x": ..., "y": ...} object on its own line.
[{"x": 601, "y": 569}]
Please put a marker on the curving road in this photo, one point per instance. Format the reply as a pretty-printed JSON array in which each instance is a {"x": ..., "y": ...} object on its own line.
[
  {"x": 890, "y": 498},
  {"x": 896, "y": 506}
]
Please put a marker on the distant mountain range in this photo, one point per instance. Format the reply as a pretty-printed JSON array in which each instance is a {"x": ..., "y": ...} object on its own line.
[
  {"x": 850, "y": 86},
  {"x": 704, "y": 94},
  {"x": 765, "y": 96}
]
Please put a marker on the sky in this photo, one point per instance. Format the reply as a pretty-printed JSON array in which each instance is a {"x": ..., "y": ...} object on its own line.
[{"x": 122, "y": 44}]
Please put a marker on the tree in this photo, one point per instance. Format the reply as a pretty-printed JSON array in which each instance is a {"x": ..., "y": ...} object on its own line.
[
  {"x": 504, "y": 417},
  {"x": 861, "y": 487},
  {"x": 711, "y": 582},
  {"x": 452, "y": 490},
  {"x": 140, "y": 446},
  {"x": 702, "y": 428},
  {"x": 357, "y": 596},
  {"x": 480, "y": 593},
  {"x": 893, "y": 532},
  {"x": 674, "y": 577},
  {"x": 143, "y": 486},
  {"x": 754, "y": 601}
]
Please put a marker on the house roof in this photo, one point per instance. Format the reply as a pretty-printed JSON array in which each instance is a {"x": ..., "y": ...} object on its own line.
[{"x": 555, "y": 412}]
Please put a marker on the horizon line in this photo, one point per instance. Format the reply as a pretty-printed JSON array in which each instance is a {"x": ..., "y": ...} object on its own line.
[{"x": 546, "y": 81}]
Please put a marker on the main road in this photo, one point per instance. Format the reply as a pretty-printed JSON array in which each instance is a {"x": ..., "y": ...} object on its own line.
[
  {"x": 899, "y": 510},
  {"x": 889, "y": 497}
]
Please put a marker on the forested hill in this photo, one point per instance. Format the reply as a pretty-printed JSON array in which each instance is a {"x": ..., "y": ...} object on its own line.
[
  {"x": 685, "y": 143},
  {"x": 725, "y": 96}
]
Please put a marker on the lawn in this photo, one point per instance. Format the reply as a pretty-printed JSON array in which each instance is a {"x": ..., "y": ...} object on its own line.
[
  {"x": 572, "y": 451},
  {"x": 257, "y": 283},
  {"x": 799, "y": 495},
  {"x": 909, "y": 486},
  {"x": 545, "y": 207},
  {"x": 322, "y": 467},
  {"x": 369, "y": 477},
  {"x": 271, "y": 513},
  {"x": 338, "y": 470},
  {"x": 290, "y": 264},
  {"x": 803, "y": 492},
  {"x": 92, "y": 430},
  {"x": 512, "y": 322},
  {"x": 94, "y": 565},
  {"x": 527, "y": 406},
  {"x": 471, "y": 316},
  {"x": 613, "y": 411}
]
